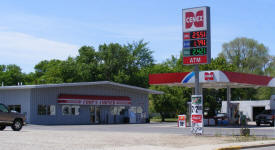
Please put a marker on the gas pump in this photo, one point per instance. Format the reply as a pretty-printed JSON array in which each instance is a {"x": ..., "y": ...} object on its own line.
[{"x": 234, "y": 113}]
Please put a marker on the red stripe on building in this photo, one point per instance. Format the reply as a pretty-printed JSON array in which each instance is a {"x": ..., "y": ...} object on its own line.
[
  {"x": 166, "y": 78},
  {"x": 93, "y": 97},
  {"x": 247, "y": 78}
]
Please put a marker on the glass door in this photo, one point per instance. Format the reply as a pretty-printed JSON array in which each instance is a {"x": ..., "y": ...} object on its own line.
[
  {"x": 92, "y": 114},
  {"x": 97, "y": 114}
]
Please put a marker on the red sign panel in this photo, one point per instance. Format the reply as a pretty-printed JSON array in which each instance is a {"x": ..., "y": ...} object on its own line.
[
  {"x": 186, "y": 36},
  {"x": 181, "y": 117},
  {"x": 196, "y": 118},
  {"x": 195, "y": 60}
]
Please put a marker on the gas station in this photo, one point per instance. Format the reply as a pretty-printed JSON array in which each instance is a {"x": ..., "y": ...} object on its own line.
[
  {"x": 196, "y": 50},
  {"x": 215, "y": 79}
]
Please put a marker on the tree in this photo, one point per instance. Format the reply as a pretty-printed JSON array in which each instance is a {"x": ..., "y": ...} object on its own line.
[
  {"x": 129, "y": 64},
  {"x": 87, "y": 64},
  {"x": 247, "y": 55},
  {"x": 48, "y": 72},
  {"x": 113, "y": 59},
  {"x": 219, "y": 63},
  {"x": 172, "y": 103},
  {"x": 142, "y": 55},
  {"x": 11, "y": 74}
]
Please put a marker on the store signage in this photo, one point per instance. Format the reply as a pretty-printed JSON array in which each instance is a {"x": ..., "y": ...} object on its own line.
[
  {"x": 196, "y": 118},
  {"x": 209, "y": 76},
  {"x": 197, "y": 114},
  {"x": 182, "y": 121},
  {"x": 93, "y": 100},
  {"x": 196, "y": 36}
]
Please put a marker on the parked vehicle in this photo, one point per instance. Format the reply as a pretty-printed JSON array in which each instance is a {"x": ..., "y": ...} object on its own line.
[
  {"x": 266, "y": 117},
  {"x": 11, "y": 118},
  {"x": 221, "y": 119}
]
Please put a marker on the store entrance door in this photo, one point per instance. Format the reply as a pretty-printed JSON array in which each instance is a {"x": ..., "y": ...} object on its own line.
[{"x": 95, "y": 114}]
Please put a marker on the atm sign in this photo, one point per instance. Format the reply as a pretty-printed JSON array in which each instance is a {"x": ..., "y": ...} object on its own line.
[{"x": 195, "y": 60}]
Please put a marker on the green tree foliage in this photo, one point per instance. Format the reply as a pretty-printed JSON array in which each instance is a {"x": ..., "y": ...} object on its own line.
[
  {"x": 48, "y": 72},
  {"x": 219, "y": 63},
  {"x": 129, "y": 64},
  {"x": 86, "y": 64},
  {"x": 172, "y": 103},
  {"x": 11, "y": 74},
  {"x": 247, "y": 55}
]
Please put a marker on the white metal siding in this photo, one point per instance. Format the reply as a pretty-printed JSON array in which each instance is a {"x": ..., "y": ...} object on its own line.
[
  {"x": 247, "y": 106},
  {"x": 49, "y": 96}
]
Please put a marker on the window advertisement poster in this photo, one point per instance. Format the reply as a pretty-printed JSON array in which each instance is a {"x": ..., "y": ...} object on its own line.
[{"x": 197, "y": 114}]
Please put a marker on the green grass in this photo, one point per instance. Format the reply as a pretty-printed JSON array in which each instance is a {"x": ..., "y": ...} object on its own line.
[{"x": 166, "y": 119}]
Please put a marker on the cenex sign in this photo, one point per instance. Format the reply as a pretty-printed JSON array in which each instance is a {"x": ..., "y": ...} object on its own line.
[{"x": 196, "y": 36}]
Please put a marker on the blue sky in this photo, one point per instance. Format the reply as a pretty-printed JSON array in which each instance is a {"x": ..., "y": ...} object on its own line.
[{"x": 31, "y": 31}]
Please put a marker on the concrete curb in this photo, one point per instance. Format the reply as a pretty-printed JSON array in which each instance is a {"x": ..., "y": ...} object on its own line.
[{"x": 245, "y": 147}]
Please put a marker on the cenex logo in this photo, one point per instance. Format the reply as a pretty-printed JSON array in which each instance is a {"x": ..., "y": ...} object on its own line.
[
  {"x": 192, "y": 19},
  {"x": 208, "y": 75}
]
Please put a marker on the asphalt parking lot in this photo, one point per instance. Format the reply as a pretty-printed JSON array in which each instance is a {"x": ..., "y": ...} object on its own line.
[
  {"x": 104, "y": 137},
  {"x": 163, "y": 128},
  {"x": 159, "y": 136}
]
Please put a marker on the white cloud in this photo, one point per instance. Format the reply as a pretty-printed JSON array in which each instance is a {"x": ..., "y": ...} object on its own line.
[{"x": 26, "y": 50}]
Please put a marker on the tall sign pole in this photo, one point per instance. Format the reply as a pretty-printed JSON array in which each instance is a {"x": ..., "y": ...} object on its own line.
[{"x": 196, "y": 51}]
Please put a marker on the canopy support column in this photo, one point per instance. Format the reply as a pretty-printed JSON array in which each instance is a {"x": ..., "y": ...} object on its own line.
[
  {"x": 197, "y": 80},
  {"x": 228, "y": 103}
]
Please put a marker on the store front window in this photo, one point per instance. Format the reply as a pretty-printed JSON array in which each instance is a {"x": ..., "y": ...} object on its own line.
[
  {"x": 48, "y": 110},
  {"x": 70, "y": 110}
]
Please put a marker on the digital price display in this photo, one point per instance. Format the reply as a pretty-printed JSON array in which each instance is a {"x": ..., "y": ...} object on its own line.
[
  {"x": 195, "y": 51},
  {"x": 198, "y": 51},
  {"x": 198, "y": 35},
  {"x": 198, "y": 43},
  {"x": 194, "y": 35}
]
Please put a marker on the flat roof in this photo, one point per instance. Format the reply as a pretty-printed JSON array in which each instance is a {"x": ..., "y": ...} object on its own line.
[{"x": 80, "y": 84}]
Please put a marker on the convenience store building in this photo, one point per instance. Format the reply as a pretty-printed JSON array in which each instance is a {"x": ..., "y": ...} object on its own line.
[{"x": 101, "y": 102}]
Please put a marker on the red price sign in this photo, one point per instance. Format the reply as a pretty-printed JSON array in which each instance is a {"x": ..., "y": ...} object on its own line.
[
  {"x": 198, "y": 43},
  {"x": 198, "y": 35}
]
